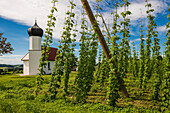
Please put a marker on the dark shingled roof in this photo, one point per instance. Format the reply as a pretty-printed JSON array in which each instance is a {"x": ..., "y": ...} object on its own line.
[
  {"x": 52, "y": 54},
  {"x": 51, "y": 57}
]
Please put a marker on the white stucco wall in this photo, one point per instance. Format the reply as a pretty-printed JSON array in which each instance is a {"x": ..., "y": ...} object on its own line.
[
  {"x": 26, "y": 67},
  {"x": 34, "y": 43},
  {"x": 31, "y": 64},
  {"x": 34, "y": 54},
  {"x": 51, "y": 67},
  {"x": 34, "y": 57}
]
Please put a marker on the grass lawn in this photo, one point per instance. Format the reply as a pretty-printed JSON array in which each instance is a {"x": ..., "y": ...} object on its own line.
[{"x": 17, "y": 94}]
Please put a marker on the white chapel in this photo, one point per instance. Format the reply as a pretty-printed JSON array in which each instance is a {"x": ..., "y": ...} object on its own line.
[{"x": 32, "y": 58}]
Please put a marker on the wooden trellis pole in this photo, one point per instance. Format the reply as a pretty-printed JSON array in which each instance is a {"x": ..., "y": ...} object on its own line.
[{"x": 102, "y": 42}]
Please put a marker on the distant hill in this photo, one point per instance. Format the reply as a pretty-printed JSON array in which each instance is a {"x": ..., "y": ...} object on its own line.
[{"x": 11, "y": 66}]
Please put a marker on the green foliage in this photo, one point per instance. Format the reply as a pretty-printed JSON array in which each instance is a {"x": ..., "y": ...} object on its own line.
[
  {"x": 66, "y": 47},
  {"x": 18, "y": 96},
  {"x": 85, "y": 89},
  {"x": 5, "y": 48},
  {"x": 56, "y": 75},
  {"x": 92, "y": 52},
  {"x": 142, "y": 58},
  {"x": 151, "y": 26},
  {"x": 157, "y": 69},
  {"x": 130, "y": 66},
  {"x": 124, "y": 44},
  {"x": 113, "y": 86},
  {"x": 104, "y": 69},
  {"x": 165, "y": 98},
  {"x": 65, "y": 55},
  {"x": 81, "y": 77},
  {"x": 87, "y": 58},
  {"x": 46, "y": 45},
  {"x": 98, "y": 72},
  {"x": 135, "y": 68},
  {"x": 152, "y": 64}
]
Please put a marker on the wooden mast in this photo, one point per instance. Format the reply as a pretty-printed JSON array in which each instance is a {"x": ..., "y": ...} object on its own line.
[{"x": 102, "y": 42}]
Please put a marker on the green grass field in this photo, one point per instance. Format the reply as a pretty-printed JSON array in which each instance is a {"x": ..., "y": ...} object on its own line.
[{"x": 17, "y": 94}]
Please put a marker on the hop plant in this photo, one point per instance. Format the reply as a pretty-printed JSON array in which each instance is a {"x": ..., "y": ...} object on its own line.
[
  {"x": 46, "y": 45},
  {"x": 98, "y": 72},
  {"x": 134, "y": 70},
  {"x": 165, "y": 98},
  {"x": 147, "y": 73},
  {"x": 68, "y": 45},
  {"x": 142, "y": 56},
  {"x": 65, "y": 55},
  {"x": 124, "y": 44},
  {"x": 113, "y": 86},
  {"x": 104, "y": 70}
]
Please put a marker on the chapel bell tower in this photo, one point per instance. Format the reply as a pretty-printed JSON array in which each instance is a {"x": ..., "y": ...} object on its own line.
[{"x": 35, "y": 35}]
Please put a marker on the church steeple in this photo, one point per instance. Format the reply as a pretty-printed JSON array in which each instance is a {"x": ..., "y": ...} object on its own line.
[
  {"x": 35, "y": 35},
  {"x": 35, "y": 30}
]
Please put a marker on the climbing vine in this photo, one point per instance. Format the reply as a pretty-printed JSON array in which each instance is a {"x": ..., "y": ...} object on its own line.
[
  {"x": 46, "y": 45},
  {"x": 148, "y": 44},
  {"x": 165, "y": 98},
  {"x": 110, "y": 73},
  {"x": 113, "y": 86},
  {"x": 67, "y": 43},
  {"x": 125, "y": 48},
  {"x": 81, "y": 78},
  {"x": 134, "y": 62},
  {"x": 65, "y": 55},
  {"x": 141, "y": 66},
  {"x": 98, "y": 72}
]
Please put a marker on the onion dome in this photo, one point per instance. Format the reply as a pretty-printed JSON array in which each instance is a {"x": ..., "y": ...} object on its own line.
[{"x": 35, "y": 30}]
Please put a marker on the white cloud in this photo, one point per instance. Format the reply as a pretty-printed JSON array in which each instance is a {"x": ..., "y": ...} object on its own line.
[
  {"x": 7, "y": 56},
  {"x": 25, "y": 12},
  {"x": 138, "y": 9},
  {"x": 11, "y": 59},
  {"x": 138, "y": 39},
  {"x": 77, "y": 50},
  {"x": 161, "y": 28},
  {"x": 135, "y": 40}
]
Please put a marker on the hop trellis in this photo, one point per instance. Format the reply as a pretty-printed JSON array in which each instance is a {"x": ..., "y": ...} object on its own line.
[{"x": 111, "y": 72}]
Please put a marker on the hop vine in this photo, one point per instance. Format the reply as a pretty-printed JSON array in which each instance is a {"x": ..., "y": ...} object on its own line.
[
  {"x": 142, "y": 58},
  {"x": 46, "y": 45},
  {"x": 165, "y": 98}
]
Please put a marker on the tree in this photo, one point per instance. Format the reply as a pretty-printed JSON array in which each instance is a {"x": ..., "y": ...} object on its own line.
[{"x": 5, "y": 47}]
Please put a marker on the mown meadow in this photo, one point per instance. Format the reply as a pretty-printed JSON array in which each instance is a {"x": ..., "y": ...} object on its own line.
[{"x": 17, "y": 94}]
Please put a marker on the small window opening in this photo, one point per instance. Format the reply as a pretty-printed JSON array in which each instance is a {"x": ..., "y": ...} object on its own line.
[{"x": 49, "y": 66}]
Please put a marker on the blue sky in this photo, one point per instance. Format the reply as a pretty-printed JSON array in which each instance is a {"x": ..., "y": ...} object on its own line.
[{"x": 16, "y": 16}]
